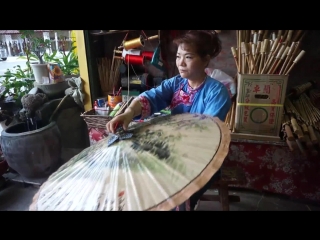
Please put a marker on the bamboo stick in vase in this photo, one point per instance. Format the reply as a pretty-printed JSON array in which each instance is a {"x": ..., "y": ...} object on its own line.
[
  {"x": 290, "y": 51},
  {"x": 292, "y": 57},
  {"x": 250, "y": 61},
  {"x": 270, "y": 56},
  {"x": 253, "y": 52},
  {"x": 275, "y": 59},
  {"x": 240, "y": 51},
  {"x": 283, "y": 56},
  {"x": 295, "y": 61},
  {"x": 260, "y": 35},
  {"x": 263, "y": 54},
  {"x": 296, "y": 36},
  {"x": 284, "y": 36},
  {"x": 289, "y": 37},
  {"x": 258, "y": 55},
  {"x": 255, "y": 38},
  {"x": 243, "y": 58},
  {"x": 279, "y": 34},
  {"x": 265, "y": 35},
  {"x": 234, "y": 53}
]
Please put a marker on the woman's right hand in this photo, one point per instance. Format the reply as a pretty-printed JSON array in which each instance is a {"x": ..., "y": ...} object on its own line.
[{"x": 124, "y": 119}]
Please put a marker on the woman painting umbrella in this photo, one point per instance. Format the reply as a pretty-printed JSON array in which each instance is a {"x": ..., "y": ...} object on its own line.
[{"x": 192, "y": 91}]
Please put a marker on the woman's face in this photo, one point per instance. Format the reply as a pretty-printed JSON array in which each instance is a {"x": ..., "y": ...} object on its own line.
[{"x": 189, "y": 63}]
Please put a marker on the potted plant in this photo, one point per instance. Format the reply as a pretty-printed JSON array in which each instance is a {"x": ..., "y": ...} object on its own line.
[
  {"x": 37, "y": 46},
  {"x": 69, "y": 61}
]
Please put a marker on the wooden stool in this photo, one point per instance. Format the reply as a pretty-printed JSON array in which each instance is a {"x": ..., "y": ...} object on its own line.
[{"x": 229, "y": 176}]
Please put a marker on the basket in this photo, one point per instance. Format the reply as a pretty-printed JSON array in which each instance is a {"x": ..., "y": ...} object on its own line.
[{"x": 95, "y": 121}]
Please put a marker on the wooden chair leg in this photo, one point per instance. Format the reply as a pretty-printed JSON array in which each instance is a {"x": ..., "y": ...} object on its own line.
[{"x": 224, "y": 196}]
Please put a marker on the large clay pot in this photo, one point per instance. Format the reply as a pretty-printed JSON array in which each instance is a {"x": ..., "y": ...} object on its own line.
[{"x": 32, "y": 154}]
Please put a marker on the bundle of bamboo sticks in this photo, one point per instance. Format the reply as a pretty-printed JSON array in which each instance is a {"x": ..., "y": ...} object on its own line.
[
  {"x": 109, "y": 73},
  {"x": 301, "y": 124},
  {"x": 268, "y": 51},
  {"x": 104, "y": 66}
]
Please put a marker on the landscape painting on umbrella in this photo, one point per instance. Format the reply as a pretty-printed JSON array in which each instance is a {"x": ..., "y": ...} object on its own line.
[{"x": 165, "y": 161}]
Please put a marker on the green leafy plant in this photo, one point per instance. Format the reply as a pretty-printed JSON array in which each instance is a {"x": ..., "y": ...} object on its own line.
[
  {"x": 68, "y": 62},
  {"x": 35, "y": 45},
  {"x": 16, "y": 84}
]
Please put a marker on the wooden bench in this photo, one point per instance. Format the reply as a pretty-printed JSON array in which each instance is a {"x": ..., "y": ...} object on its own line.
[{"x": 229, "y": 176}]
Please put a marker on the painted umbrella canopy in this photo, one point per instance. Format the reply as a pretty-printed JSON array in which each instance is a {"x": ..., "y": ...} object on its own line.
[{"x": 164, "y": 162}]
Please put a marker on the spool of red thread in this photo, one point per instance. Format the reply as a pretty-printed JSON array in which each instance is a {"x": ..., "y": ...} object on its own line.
[
  {"x": 147, "y": 54},
  {"x": 134, "y": 60}
]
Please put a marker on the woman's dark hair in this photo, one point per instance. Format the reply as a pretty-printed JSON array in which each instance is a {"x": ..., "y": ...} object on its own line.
[{"x": 205, "y": 42}]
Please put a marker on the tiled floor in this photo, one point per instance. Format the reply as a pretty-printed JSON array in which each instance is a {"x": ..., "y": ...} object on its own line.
[{"x": 18, "y": 196}]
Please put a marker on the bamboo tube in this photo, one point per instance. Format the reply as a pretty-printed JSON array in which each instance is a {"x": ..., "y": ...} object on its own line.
[
  {"x": 289, "y": 133},
  {"x": 297, "y": 59}
]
